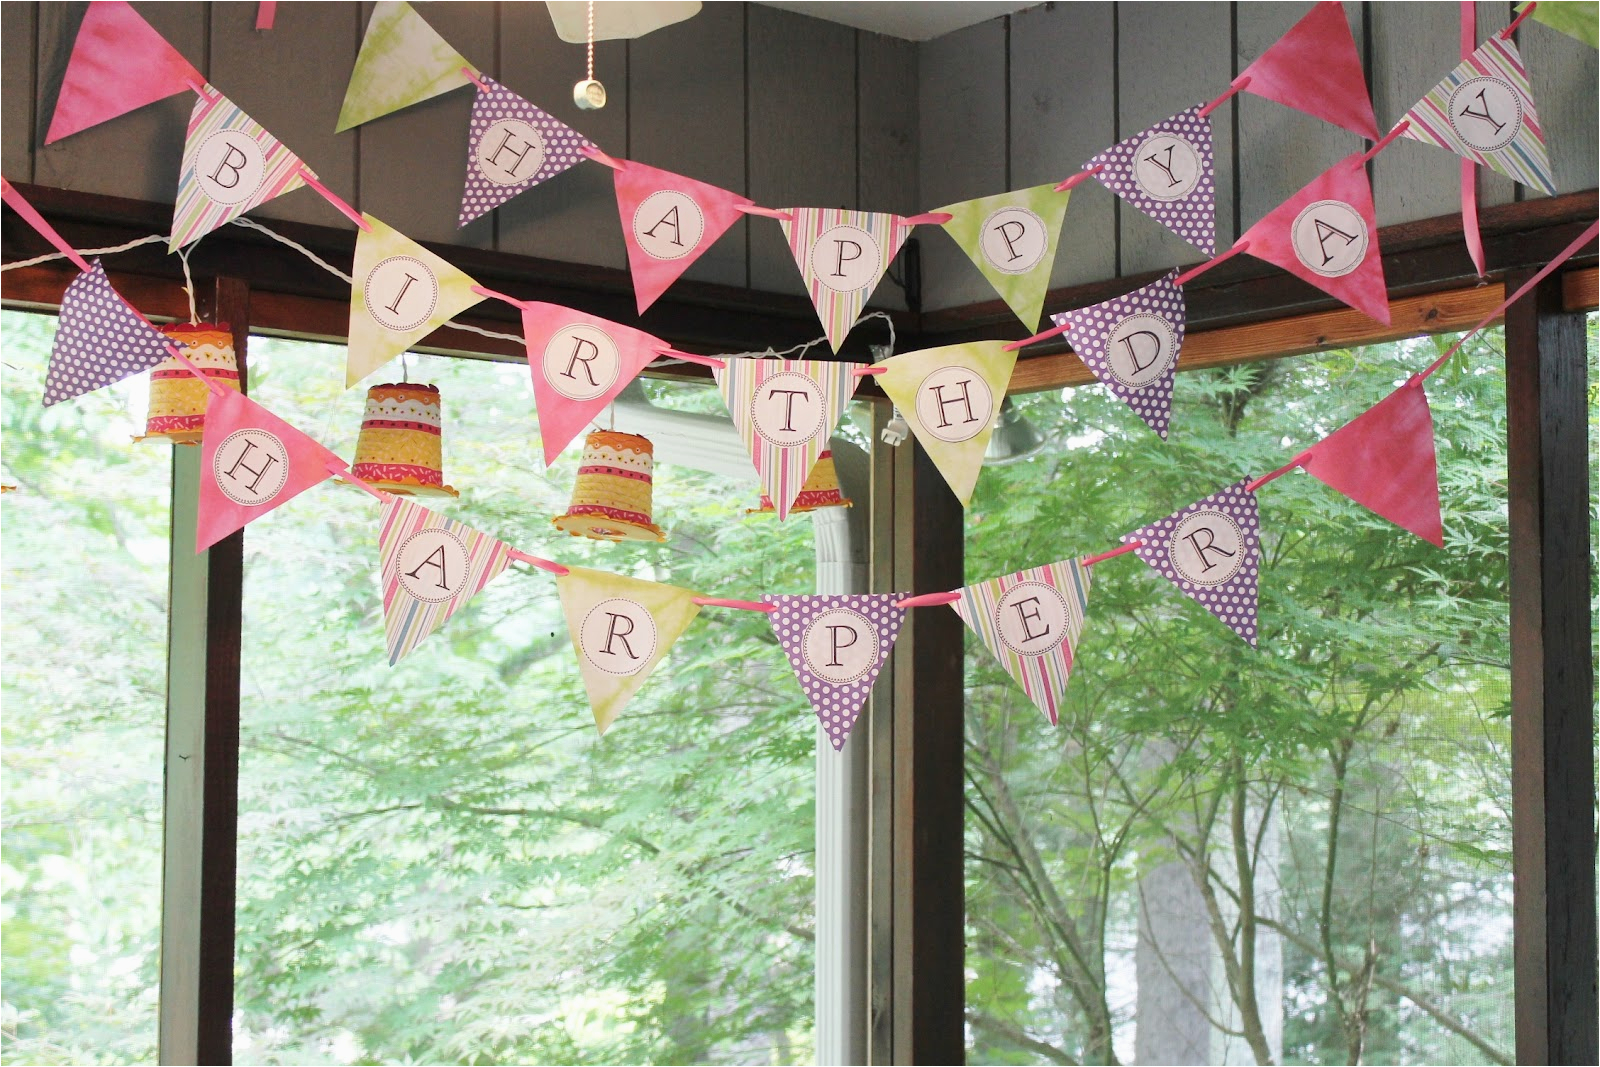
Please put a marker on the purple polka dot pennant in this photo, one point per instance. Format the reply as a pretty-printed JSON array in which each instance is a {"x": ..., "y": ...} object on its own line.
[
  {"x": 1166, "y": 172},
  {"x": 513, "y": 146},
  {"x": 1212, "y": 551},
  {"x": 99, "y": 340},
  {"x": 837, "y": 645},
  {"x": 1132, "y": 343}
]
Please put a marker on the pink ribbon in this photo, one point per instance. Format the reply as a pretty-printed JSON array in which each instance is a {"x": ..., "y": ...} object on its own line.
[
  {"x": 543, "y": 564},
  {"x": 742, "y": 605},
  {"x": 1090, "y": 561},
  {"x": 1469, "y": 169}
]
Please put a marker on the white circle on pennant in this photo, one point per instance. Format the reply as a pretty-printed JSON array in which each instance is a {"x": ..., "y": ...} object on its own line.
[
  {"x": 401, "y": 293},
  {"x": 432, "y": 565},
  {"x": 1014, "y": 240},
  {"x": 510, "y": 152},
  {"x": 668, "y": 224},
  {"x": 1166, "y": 167},
  {"x": 845, "y": 259},
  {"x": 581, "y": 362},
  {"x": 229, "y": 167},
  {"x": 1486, "y": 113},
  {"x": 251, "y": 466},
  {"x": 1140, "y": 349},
  {"x": 618, "y": 636},
  {"x": 1031, "y": 618},
  {"x": 1206, "y": 547},
  {"x": 1330, "y": 238},
  {"x": 787, "y": 409},
  {"x": 840, "y": 646},
  {"x": 954, "y": 404}
]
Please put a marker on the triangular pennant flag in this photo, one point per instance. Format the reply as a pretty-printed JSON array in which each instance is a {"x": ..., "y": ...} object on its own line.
[
  {"x": 579, "y": 363},
  {"x": 837, "y": 645},
  {"x": 841, "y": 255},
  {"x": 514, "y": 145},
  {"x": 668, "y": 222},
  {"x": 621, "y": 628},
  {"x": 100, "y": 340},
  {"x": 950, "y": 397},
  {"x": 230, "y": 165},
  {"x": 1327, "y": 234},
  {"x": 1012, "y": 239},
  {"x": 1577, "y": 18},
  {"x": 400, "y": 293},
  {"x": 432, "y": 565},
  {"x": 1384, "y": 460},
  {"x": 1031, "y": 620},
  {"x": 1483, "y": 110},
  {"x": 119, "y": 64},
  {"x": 250, "y": 462},
  {"x": 1212, "y": 551},
  {"x": 403, "y": 61},
  {"x": 785, "y": 410},
  {"x": 1131, "y": 342},
  {"x": 1315, "y": 68},
  {"x": 1167, "y": 172}
]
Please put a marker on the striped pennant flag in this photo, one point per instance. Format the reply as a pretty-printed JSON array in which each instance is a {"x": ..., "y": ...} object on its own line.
[
  {"x": 1483, "y": 110},
  {"x": 785, "y": 410},
  {"x": 841, "y": 256},
  {"x": 1031, "y": 621},
  {"x": 431, "y": 566},
  {"x": 230, "y": 165}
]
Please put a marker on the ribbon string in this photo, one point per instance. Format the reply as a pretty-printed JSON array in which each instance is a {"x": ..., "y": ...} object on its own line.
[
  {"x": 742, "y": 605},
  {"x": 1238, "y": 84},
  {"x": 1505, "y": 34},
  {"x": 1079, "y": 178},
  {"x": 333, "y": 198}
]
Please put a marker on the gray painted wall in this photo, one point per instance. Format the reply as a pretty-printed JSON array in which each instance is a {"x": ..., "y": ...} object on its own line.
[{"x": 790, "y": 110}]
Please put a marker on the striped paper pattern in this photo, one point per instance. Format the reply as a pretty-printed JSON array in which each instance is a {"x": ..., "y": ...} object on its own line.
[
  {"x": 407, "y": 619},
  {"x": 836, "y": 309},
  {"x": 1524, "y": 159},
  {"x": 1043, "y": 677},
  {"x": 784, "y": 469},
  {"x": 196, "y": 214}
]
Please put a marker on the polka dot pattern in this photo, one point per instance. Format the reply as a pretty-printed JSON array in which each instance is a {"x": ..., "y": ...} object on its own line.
[
  {"x": 837, "y": 706},
  {"x": 1233, "y": 601},
  {"x": 1089, "y": 331},
  {"x": 563, "y": 147},
  {"x": 99, "y": 340},
  {"x": 1192, "y": 217}
]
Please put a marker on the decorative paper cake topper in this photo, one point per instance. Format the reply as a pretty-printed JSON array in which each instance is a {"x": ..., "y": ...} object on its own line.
[
  {"x": 1131, "y": 343},
  {"x": 836, "y": 645},
  {"x": 432, "y": 565},
  {"x": 1212, "y": 551}
]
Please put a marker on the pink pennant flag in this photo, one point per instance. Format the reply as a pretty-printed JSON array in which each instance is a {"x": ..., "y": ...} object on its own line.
[
  {"x": 668, "y": 222},
  {"x": 250, "y": 462},
  {"x": 119, "y": 64},
  {"x": 1211, "y": 550},
  {"x": 837, "y": 645},
  {"x": 1327, "y": 234},
  {"x": 579, "y": 363},
  {"x": 1315, "y": 68},
  {"x": 1384, "y": 460}
]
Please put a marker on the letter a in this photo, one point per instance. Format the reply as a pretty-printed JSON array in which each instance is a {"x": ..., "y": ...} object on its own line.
[{"x": 435, "y": 559}]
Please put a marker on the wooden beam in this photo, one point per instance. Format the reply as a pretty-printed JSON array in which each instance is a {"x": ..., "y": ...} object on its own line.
[{"x": 1578, "y": 290}]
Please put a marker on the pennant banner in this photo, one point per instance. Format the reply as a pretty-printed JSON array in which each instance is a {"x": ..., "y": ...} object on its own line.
[
  {"x": 1131, "y": 343},
  {"x": 403, "y": 61},
  {"x": 1012, "y": 239},
  {"x": 1578, "y": 18},
  {"x": 251, "y": 461},
  {"x": 401, "y": 293},
  {"x": 1483, "y": 110},
  {"x": 621, "y": 628},
  {"x": 841, "y": 256},
  {"x": 837, "y": 645},
  {"x": 432, "y": 565},
  {"x": 579, "y": 363},
  {"x": 119, "y": 64},
  {"x": 1167, "y": 173},
  {"x": 1384, "y": 460},
  {"x": 785, "y": 410},
  {"x": 1030, "y": 621},
  {"x": 1212, "y": 551},
  {"x": 513, "y": 146},
  {"x": 99, "y": 340},
  {"x": 230, "y": 165},
  {"x": 1315, "y": 68},
  {"x": 668, "y": 222},
  {"x": 1327, "y": 234},
  {"x": 950, "y": 397}
]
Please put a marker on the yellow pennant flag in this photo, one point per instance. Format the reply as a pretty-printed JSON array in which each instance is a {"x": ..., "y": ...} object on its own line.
[
  {"x": 399, "y": 294},
  {"x": 403, "y": 61},
  {"x": 621, "y": 628},
  {"x": 951, "y": 399}
]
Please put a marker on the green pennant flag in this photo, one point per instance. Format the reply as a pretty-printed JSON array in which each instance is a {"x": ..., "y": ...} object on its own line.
[
  {"x": 951, "y": 399},
  {"x": 1578, "y": 18},
  {"x": 1012, "y": 238},
  {"x": 399, "y": 293},
  {"x": 403, "y": 61}
]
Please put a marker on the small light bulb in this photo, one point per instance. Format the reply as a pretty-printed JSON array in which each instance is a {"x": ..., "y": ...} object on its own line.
[{"x": 589, "y": 95}]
